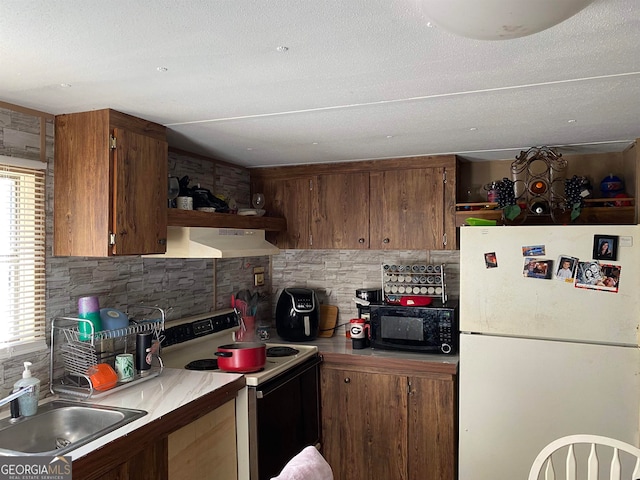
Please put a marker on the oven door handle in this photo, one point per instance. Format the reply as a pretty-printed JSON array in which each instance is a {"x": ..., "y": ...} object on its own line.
[{"x": 292, "y": 375}]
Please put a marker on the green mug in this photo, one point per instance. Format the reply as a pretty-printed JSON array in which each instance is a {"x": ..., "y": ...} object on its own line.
[{"x": 124, "y": 367}]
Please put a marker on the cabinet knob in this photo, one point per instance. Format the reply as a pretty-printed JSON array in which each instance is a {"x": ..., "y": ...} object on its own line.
[
  {"x": 347, "y": 380},
  {"x": 361, "y": 240},
  {"x": 162, "y": 241},
  {"x": 386, "y": 240}
]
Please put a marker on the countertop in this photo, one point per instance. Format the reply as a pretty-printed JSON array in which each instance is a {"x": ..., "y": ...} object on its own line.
[
  {"x": 175, "y": 388},
  {"x": 340, "y": 347},
  {"x": 159, "y": 396}
]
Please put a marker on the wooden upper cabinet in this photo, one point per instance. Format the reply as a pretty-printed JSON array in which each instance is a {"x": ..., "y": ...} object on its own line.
[
  {"x": 340, "y": 211},
  {"x": 288, "y": 198},
  {"x": 407, "y": 209},
  {"x": 406, "y": 203},
  {"x": 110, "y": 185},
  {"x": 138, "y": 181}
]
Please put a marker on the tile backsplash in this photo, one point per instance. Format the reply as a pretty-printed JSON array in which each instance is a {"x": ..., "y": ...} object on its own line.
[{"x": 336, "y": 274}]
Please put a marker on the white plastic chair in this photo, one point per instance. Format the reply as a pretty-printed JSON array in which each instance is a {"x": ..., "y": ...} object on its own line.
[{"x": 544, "y": 463}]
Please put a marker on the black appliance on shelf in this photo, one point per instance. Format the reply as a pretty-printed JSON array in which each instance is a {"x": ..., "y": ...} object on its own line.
[
  {"x": 297, "y": 315},
  {"x": 371, "y": 295}
]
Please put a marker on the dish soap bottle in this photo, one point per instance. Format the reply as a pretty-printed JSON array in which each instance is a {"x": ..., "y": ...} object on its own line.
[{"x": 29, "y": 401}]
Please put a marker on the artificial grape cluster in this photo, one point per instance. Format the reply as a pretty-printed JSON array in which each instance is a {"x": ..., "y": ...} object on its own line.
[
  {"x": 506, "y": 193},
  {"x": 573, "y": 188}
]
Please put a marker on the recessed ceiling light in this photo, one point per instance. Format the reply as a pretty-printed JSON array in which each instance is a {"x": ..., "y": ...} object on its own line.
[
  {"x": 162, "y": 69},
  {"x": 65, "y": 85},
  {"x": 573, "y": 120},
  {"x": 473, "y": 129},
  {"x": 249, "y": 148},
  {"x": 282, "y": 48},
  {"x": 389, "y": 136},
  {"x": 314, "y": 143}
]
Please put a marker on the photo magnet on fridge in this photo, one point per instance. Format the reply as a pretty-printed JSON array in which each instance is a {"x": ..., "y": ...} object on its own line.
[
  {"x": 536, "y": 268},
  {"x": 596, "y": 276},
  {"x": 533, "y": 251},
  {"x": 566, "y": 268},
  {"x": 605, "y": 247},
  {"x": 490, "y": 260}
]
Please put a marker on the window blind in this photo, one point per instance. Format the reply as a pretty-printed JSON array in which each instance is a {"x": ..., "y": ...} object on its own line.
[{"x": 22, "y": 257}]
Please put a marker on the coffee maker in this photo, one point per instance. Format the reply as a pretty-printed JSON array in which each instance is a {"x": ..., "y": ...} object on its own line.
[{"x": 365, "y": 297}]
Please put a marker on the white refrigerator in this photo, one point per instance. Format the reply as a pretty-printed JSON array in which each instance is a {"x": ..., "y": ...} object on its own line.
[{"x": 540, "y": 358}]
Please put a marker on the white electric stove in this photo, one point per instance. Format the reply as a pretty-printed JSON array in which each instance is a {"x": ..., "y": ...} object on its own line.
[
  {"x": 284, "y": 394},
  {"x": 189, "y": 341}
]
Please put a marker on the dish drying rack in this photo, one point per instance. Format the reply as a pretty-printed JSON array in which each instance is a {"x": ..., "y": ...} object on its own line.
[
  {"x": 73, "y": 352},
  {"x": 419, "y": 279}
]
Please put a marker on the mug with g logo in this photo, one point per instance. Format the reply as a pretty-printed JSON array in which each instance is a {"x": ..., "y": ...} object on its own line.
[{"x": 359, "y": 329}]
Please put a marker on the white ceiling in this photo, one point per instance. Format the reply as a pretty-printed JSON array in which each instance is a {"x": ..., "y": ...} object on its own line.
[{"x": 361, "y": 79}]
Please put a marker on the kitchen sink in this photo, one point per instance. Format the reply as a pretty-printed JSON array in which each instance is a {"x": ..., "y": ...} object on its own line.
[{"x": 61, "y": 426}]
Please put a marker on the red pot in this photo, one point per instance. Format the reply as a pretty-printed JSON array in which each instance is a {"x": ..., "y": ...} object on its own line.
[{"x": 242, "y": 357}]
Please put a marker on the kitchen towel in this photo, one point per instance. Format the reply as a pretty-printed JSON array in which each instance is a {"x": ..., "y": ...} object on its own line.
[{"x": 307, "y": 465}]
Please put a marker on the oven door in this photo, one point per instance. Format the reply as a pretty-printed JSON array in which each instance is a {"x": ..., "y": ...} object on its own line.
[{"x": 284, "y": 417}]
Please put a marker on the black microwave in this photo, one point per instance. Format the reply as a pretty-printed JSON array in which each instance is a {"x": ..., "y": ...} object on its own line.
[{"x": 416, "y": 329}]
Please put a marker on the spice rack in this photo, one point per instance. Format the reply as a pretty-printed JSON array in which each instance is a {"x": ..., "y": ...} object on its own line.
[
  {"x": 419, "y": 279},
  {"x": 73, "y": 353}
]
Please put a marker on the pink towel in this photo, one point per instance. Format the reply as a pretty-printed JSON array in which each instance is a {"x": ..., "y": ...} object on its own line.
[{"x": 307, "y": 465}]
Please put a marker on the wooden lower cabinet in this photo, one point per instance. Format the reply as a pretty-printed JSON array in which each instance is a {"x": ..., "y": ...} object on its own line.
[
  {"x": 195, "y": 441},
  {"x": 432, "y": 428},
  {"x": 205, "y": 449},
  {"x": 364, "y": 424},
  {"x": 396, "y": 425},
  {"x": 149, "y": 464}
]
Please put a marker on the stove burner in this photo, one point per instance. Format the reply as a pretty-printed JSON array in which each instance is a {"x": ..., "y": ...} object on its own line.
[
  {"x": 203, "y": 364},
  {"x": 281, "y": 351}
]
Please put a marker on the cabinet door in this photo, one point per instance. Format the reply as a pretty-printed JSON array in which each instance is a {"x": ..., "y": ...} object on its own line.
[
  {"x": 407, "y": 209},
  {"x": 288, "y": 198},
  {"x": 432, "y": 429},
  {"x": 340, "y": 211},
  {"x": 206, "y": 448},
  {"x": 139, "y": 213},
  {"x": 364, "y": 424},
  {"x": 150, "y": 463}
]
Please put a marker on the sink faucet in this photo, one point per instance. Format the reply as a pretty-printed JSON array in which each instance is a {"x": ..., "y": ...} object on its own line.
[{"x": 13, "y": 398}]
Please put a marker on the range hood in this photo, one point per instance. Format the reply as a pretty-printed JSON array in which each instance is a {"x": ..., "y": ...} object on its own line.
[{"x": 207, "y": 242}]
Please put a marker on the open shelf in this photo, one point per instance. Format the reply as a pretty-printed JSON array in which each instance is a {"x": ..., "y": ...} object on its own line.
[
  {"x": 597, "y": 211},
  {"x": 194, "y": 218}
]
